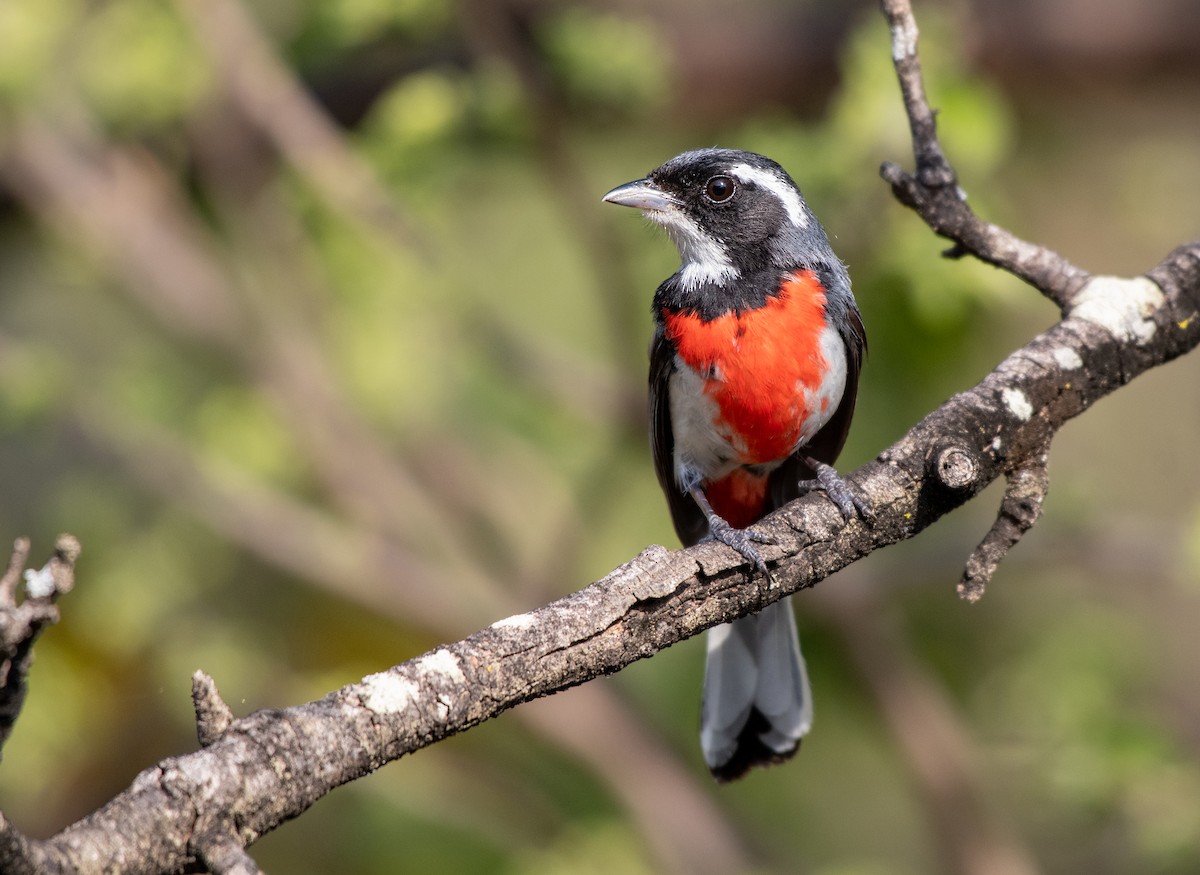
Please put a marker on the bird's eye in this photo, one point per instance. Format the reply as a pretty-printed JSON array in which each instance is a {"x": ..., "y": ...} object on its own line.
[{"x": 719, "y": 188}]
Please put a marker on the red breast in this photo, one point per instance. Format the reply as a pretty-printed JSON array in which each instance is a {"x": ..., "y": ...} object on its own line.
[
  {"x": 763, "y": 367},
  {"x": 767, "y": 374}
]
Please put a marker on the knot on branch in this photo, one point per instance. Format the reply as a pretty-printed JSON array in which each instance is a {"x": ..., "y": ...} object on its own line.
[
  {"x": 956, "y": 467},
  {"x": 935, "y": 173},
  {"x": 213, "y": 716},
  {"x": 1020, "y": 510},
  {"x": 904, "y": 186}
]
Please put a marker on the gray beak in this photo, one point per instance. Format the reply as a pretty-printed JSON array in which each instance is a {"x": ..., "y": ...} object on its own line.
[{"x": 641, "y": 194}]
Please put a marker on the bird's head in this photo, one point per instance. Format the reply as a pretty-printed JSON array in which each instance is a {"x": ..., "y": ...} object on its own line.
[{"x": 729, "y": 213}]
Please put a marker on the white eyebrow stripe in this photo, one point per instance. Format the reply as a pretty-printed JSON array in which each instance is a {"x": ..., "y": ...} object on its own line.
[{"x": 780, "y": 188}]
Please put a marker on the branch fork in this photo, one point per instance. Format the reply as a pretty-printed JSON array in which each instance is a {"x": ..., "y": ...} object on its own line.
[{"x": 934, "y": 194}]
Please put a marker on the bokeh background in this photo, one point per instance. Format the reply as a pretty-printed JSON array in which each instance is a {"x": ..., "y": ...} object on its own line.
[{"x": 315, "y": 332}]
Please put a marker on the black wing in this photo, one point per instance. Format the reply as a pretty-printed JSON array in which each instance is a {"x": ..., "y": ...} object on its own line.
[
  {"x": 828, "y": 442},
  {"x": 689, "y": 520}
]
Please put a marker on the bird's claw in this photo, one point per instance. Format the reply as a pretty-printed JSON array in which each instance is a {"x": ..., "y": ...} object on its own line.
[
  {"x": 742, "y": 540},
  {"x": 839, "y": 492}
]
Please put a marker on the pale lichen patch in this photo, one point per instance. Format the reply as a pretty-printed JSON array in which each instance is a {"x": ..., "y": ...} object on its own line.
[
  {"x": 40, "y": 584},
  {"x": 1124, "y": 307},
  {"x": 1017, "y": 403},
  {"x": 387, "y": 692},
  {"x": 442, "y": 662},
  {"x": 1067, "y": 358},
  {"x": 904, "y": 40},
  {"x": 516, "y": 621}
]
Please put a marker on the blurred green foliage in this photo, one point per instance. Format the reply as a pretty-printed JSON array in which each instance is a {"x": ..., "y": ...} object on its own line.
[
  {"x": 606, "y": 58},
  {"x": 159, "y": 76},
  {"x": 393, "y": 437}
]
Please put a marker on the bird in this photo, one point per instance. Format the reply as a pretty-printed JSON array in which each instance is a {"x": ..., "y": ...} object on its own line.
[{"x": 754, "y": 367}]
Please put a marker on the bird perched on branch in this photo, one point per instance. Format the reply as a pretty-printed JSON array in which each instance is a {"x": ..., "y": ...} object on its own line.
[{"x": 753, "y": 376}]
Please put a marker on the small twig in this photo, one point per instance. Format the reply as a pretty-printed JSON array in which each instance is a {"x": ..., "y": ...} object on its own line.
[
  {"x": 12, "y": 576},
  {"x": 62, "y": 565},
  {"x": 933, "y": 170},
  {"x": 934, "y": 194},
  {"x": 223, "y": 854},
  {"x": 213, "y": 716},
  {"x": 1020, "y": 510},
  {"x": 22, "y": 623}
]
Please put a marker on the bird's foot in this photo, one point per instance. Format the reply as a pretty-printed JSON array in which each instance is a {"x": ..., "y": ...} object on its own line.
[
  {"x": 839, "y": 492},
  {"x": 742, "y": 540}
]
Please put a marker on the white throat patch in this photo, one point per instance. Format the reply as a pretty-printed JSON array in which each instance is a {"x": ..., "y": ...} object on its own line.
[
  {"x": 704, "y": 257},
  {"x": 779, "y": 187}
]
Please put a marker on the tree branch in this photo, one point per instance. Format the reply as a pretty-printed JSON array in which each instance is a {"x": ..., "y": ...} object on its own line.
[
  {"x": 272, "y": 765},
  {"x": 1121, "y": 307},
  {"x": 258, "y": 771},
  {"x": 22, "y": 622},
  {"x": 1019, "y": 511},
  {"x": 934, "y": 192}
]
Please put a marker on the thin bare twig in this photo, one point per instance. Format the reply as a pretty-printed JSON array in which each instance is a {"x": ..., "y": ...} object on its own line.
[
  {"x": 213, "y": 716},
  {"x": 934, "y": 191},
  {"x": 223, "y": 854},
  {"x": 22, "y": 621},
  {"x": 1020, "y": 510}
]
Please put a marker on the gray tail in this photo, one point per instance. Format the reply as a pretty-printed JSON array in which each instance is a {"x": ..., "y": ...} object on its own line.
[{"x": 757, "y": 701}]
